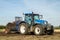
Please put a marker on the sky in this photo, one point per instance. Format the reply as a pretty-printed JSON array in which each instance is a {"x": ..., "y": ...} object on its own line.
[{"x": 50, "y": 9}]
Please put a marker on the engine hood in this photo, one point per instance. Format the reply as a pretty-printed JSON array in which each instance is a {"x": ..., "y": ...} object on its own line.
[{"x": 39, "y": 21}]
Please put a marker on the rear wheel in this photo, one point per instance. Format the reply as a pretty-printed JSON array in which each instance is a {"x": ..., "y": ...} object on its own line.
[
  {"x": 38, "y": 30},
  {"x": 23, "y": 28}
]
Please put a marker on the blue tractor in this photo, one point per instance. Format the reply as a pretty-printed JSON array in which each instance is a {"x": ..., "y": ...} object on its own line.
[{"x": 32, "y": 24}]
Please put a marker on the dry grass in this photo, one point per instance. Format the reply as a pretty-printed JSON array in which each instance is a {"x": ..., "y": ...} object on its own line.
[
  {"x": 57, "y": 30},
  {"x": 2, "y": 30}
]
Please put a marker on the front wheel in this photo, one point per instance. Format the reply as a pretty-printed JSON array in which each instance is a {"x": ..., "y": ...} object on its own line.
[
  {"x": 23, "y": 28},
  {"x": 38, "y": 30},
  {"x": 50, "y": 32}
]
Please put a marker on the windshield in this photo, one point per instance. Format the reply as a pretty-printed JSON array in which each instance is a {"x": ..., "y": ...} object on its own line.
[{"x": 36, "y": 17}]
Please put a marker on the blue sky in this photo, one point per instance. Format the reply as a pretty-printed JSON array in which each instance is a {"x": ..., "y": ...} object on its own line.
[{"x": 50, "y": 9}]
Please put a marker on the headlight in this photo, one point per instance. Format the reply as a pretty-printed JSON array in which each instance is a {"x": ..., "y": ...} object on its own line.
[{"x": 44, "y": 22}]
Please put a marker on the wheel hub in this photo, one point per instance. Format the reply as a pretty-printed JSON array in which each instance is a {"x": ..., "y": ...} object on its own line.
[
  {"x": 37, "y": 30},
  {"x": 22, "y": 29}
]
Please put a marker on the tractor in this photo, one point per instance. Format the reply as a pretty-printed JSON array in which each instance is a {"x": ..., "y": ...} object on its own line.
[{"x": 32, "y": 23}]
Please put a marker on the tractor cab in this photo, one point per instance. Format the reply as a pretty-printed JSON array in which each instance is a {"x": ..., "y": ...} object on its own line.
[{"x": 32, "y": 19}]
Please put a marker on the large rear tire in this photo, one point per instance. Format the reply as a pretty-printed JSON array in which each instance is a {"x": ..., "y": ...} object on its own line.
[
  {"x": 23, "y": 28},
  {"x": 38, "y": 30}
]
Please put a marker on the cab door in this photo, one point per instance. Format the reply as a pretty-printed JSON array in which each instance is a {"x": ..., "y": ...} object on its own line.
[{"x": 28, "y": 19}]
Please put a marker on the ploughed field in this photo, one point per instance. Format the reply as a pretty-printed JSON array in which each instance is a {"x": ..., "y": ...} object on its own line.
[{"x": 15, "y": 36}]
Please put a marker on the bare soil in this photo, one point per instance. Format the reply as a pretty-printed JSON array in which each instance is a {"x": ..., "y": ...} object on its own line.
[{"x": 15, "y": 36}]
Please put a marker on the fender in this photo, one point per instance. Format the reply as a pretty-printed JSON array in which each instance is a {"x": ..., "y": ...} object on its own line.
[
  {"x": 37, "y": 24},
  {"x": 22, "y": 22}
]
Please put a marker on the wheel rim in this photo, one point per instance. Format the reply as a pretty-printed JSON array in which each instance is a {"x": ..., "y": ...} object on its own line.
[
  {"x": 37, "y": 30},
  {"x": 22, "y": 29}
]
